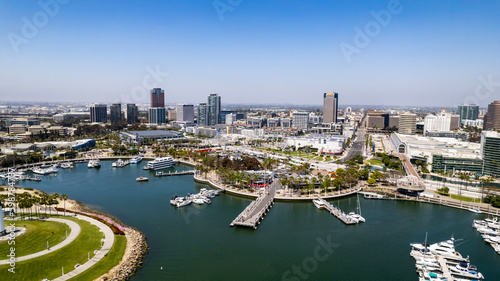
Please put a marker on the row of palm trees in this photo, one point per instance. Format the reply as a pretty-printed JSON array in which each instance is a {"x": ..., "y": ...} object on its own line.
[{"x": 26, "y": 201}]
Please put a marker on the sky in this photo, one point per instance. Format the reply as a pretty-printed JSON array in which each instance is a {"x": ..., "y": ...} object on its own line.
[{"x": 410, "y": 53}]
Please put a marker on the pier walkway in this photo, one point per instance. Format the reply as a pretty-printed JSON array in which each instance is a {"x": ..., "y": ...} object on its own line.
[
  {"x": 412, "y": 180},
  {"x": 254, "y": 212},
  {"x": 337, "y": 212},
  {"x": 163, "y": 174},
  {"x": 444, "y": 268}
]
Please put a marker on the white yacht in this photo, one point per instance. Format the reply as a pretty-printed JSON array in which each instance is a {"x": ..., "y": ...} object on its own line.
[
  {"x": 357, "y": 216},
  {"x": 67, "y": 165},
  {"x": 318, "y": 203},
  {"x": 183, "y": 203},
  {"x": 198, "y": 201},
  {"x": 41, "y": 171},
  {"x": 118, "y": 163},
  {"x": 160, "y": 163},
  {"x": 446, "y": 249},
  {"x": 135, "y": 160},
  {"x": 94, "y": 163}
]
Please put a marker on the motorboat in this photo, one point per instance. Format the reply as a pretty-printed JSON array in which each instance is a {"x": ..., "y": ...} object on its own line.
[
  {"x": 198, "y": 201},
  {"x": 173, "y": 201},
  {"x": 319, "y": 203},
  {"x": 94, "y": 163},
  {"x": 183, "y": 203},
  {"x": 446, "y": 249},
  {"x": 467, "y": 270},
  {"x": 41, "y": 171},
  {"x": 475, "y": 210},
  {"x": 66, "y": 165},
  {"x": 118, "y": 163},
  {"x": 141, "y": 179},
  {"x": 160, "y": 163},
  {"x": 135, "y": 160}
]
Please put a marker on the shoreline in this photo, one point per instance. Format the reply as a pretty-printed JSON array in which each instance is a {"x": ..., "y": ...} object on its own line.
[{"x": 135, "y": 250}]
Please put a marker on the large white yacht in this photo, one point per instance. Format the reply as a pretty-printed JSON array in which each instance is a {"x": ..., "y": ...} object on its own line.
[
  {"x": 135, "y": 160},
  {"x": 94, "y": 163},
  {"x": 318, "y": 203},
  {"x": 160, "y": 163}
]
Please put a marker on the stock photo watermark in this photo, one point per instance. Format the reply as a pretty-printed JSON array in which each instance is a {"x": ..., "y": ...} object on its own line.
[
  {"x": 310, "y": 264},
  {"x": 11, "y": 229},
  {"x": 31, "y": 26},
  {"x": 224, "y": 6},
  {"x": 152, "y": 79},
  {"x": 484, "y": 89},
  {"x": 363, "y": 37}
]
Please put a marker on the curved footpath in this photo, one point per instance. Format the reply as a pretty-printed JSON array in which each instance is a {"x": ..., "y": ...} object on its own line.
[
  {"x": 75, "y": 231},
  {"x": 109, "y": 239}
]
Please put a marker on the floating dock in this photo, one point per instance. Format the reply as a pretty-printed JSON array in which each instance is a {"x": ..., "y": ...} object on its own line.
[
  {"x": 444, "y": 268},
  {"x": 253, "y": 213},
  {"x": 162, "y": 174},
  {"x": 337, "y": 212}
]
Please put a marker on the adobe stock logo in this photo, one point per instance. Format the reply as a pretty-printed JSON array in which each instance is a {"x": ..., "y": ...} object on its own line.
[
  {"x": 223, "y": 6},
  {"x": 309, "y": 265},
  {"x": 40, "y": 19},
  {"x": 372, "y": 29}
]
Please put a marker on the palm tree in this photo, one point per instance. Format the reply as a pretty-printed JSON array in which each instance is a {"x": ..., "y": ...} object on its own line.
[{"x": 64, "y": 197}]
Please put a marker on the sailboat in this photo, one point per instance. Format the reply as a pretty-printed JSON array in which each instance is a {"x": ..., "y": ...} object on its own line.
[
  {"x": 357, "y": 215},
  {"x": 475, "y": 209}
]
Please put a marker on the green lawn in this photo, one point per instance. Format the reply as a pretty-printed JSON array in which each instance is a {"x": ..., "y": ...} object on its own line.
[
  {"x": 463, "y": 198},
  {"x": 112, "y": 259},
  {"x": 50, "y": 266},
  {"x": 36, "y": 237},
  {"x": 375, "y": 162}
]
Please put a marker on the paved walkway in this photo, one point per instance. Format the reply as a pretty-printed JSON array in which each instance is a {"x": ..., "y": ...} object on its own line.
[
  {"x": 109, "y": 239},
  {"x": 75, "y": 231}
]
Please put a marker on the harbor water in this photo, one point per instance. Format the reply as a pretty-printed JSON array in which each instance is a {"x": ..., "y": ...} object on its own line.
[{"x": 295, "y": 241}]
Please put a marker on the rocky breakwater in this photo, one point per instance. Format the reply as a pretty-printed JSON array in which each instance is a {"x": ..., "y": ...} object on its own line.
[{"x": 132, "y": 259}]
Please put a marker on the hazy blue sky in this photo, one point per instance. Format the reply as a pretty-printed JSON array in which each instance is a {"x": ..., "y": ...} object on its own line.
[{"x": 282, "y": 51}]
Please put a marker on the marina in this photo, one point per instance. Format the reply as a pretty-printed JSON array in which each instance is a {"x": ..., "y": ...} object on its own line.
[
  {"x": 391, "y": 225},
  {"x": 343, "y": 217}
]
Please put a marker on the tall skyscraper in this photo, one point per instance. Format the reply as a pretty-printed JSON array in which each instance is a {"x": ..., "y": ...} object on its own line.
[
  {"x": 330, "y": 107},
  {"x": 157, "y": 97},
  {"x": 115, "y": 113},
  {"x": 202, "y": 119},
  {"x": 157, "y": 115},
  {"x": 132, "y": 113},
  {"x": 214, "y": 116},
  {"x": 185, "y": 112},
  {"x": 98, "y": 113},
  {"x": 468, "y": 111},
  {"x": 492, "y": 117},
  {"x": 490, "y": 152}
]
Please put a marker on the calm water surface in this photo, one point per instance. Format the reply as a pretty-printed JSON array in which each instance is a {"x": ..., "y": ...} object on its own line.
[{"x": 196, "y": 242}]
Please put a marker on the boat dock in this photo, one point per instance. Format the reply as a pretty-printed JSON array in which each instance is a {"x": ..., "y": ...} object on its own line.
[
  {"x": 253, "y": 213},
  {"x": 337, "y": 212},
  {"x": 444, "y": 268},
  {"x": 163, "y": 174}
]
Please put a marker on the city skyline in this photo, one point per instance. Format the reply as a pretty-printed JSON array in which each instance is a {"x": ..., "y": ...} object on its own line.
[{"x": 382, "y": 52}]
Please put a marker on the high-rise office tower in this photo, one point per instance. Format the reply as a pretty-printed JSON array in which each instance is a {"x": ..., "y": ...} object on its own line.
[
  {"x": 132, "y": 113},
  {"x": 157, "y": 97},
  {"x": 157, "y": 115},
  {"x": 98, "y": 113},
  {"x": 492, "y": 117},
  {"x": 300, "y": 120},
  {"x": 202, "y": 119},
  {"x": 330, "y": 107},
  {"x": 407, "y": 123},
  {"x": 185, "y": 112},
  {"x": 468, "y": 111},
  {"x": 214, "y": 116},
  {"x": 115, "y": 113},
  {"x": 490, "y": 152}
]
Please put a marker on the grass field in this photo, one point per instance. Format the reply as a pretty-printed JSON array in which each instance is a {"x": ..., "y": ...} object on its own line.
[
  {"x": 50, "y": 266},
  {"x": 375, "y": 162},
  {"x": 36, "y": 237},
  {"x": 107, "y": 263},
  {"x": 467, "y": 199}
]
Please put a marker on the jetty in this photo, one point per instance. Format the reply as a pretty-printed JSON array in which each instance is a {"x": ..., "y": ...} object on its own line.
[
  {"x": 163, "y": 174},
  {"x": 444, "y": 268},
  {"x": 337, "y": 212},
  {"x": 255, "y": 212}
]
